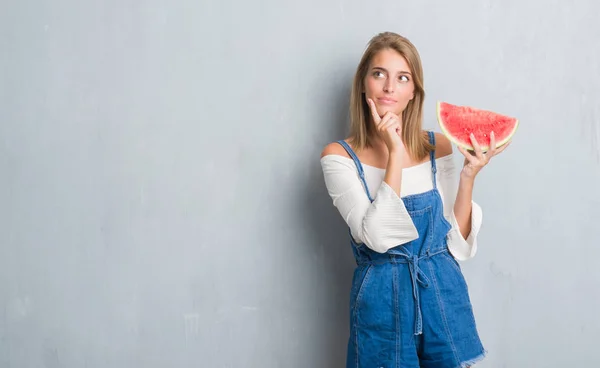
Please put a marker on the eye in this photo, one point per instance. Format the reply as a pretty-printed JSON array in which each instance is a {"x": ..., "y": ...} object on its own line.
[
  {"x": 377, "y": 74},
  {"x": 403, "y": 78}
]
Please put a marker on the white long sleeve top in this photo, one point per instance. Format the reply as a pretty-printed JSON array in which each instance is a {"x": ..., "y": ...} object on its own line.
[{"x": 385, "y": 223}]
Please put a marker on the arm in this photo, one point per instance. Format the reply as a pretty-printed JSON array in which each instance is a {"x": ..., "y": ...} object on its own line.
[
  {"x": 462, "y": 237},
  {"x": 463, "y": 205},
  {"x": 463, "y": 214},
  {"x": 380, "y": 225},
  {"x": 466, "y": 214},
  {"x": 389, "y": 128},
  {"x": 393, "y": 172},
  {"x": 385, "y": 223}
]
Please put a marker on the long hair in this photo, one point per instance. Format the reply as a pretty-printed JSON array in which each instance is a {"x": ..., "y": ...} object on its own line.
[{"x": 361, "y": 124}]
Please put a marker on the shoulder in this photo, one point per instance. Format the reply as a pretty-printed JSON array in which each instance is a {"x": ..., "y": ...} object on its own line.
[
  {"x": 339, "y": 170},
  {"x": 334, "y": 148},
  {"x": 335, "y": 161},
  {"x": 443, "y": 146}
]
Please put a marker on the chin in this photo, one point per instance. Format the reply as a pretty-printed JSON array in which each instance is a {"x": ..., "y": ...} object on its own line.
[{"x": 385, "y": 109}]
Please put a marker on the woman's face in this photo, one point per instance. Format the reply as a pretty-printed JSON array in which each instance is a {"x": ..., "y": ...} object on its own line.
[{"x": 389, "y": 82}]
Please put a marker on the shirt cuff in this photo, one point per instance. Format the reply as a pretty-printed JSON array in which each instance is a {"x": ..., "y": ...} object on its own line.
[
  {"x": 388, "y": 224},
  {"x": 463, "y": 249}
]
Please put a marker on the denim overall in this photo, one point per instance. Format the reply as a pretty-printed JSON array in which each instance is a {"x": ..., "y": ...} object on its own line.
[{"x": 409, "y": 307}]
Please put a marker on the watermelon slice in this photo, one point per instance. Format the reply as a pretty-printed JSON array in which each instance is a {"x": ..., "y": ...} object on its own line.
[{"x": 458, "y": 122}]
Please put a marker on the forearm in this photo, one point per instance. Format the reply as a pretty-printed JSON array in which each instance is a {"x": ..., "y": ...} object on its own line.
[
  {"x": 381, "y": 224},
  {"x": 463, "y": 205},
  {"x": 393, "y": 173}
]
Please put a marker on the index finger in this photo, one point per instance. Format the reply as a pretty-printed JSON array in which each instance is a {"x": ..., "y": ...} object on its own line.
[
  {"x": 374, "y": 113},
  {"x": 492, "y": 148}
]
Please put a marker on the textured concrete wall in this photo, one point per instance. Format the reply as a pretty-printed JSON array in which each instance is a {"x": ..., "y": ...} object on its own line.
[{"x": 162, "y": 204}]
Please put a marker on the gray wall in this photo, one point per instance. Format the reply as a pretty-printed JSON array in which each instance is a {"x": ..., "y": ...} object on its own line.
[{"x": 162, "y": 204}]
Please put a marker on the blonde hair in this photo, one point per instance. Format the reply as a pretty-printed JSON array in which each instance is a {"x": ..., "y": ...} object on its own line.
[{"x": 361, "y": 125}]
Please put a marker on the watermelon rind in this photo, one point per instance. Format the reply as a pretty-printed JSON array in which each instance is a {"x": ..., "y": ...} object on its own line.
[{"x": 468, "y": 146}]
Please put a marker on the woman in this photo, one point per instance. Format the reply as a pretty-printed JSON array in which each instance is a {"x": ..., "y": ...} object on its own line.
[{"x": 395, "y": 187}]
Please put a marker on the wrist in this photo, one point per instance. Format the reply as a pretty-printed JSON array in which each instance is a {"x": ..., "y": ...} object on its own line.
[
  {"x": 466, "y": 179},
  {"x": 397, "y": 152},
  {"x": 395, "y": 159}
]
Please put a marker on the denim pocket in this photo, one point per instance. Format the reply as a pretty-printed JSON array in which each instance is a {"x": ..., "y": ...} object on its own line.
[
  {"x": 358, "y": 286},
  {"x": 453, "y": 261},
  {"x": 419, "y": 212}
]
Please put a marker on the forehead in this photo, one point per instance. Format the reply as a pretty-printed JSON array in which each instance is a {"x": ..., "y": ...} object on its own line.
[{"x": 391, "y": 60}]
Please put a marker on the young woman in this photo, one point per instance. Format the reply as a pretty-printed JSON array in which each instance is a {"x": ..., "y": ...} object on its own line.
[{"x": 395, "y": 187}]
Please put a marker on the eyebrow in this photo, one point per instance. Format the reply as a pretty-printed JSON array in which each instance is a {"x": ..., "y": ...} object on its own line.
[{"x": 385, "y": 70}]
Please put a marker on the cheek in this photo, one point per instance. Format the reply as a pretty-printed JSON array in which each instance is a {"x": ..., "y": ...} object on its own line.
[
  {"x": 370, "y": 86},
  {"x": 406, "y": 93}
]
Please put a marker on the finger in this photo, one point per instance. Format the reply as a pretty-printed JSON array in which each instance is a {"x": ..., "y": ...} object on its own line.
[
  {"x": 469, "y": 151},
  {"x": 477, "y": 147},
  {"x": 389, "y": 126},
  {"x": 395, "y": 126},
  {"x": 374, "y": 113},
  {"x": 502, "y": 148},
  {"x": 386, "y": 120},
  {"x": 381, "y": 123},
  {"x": 392, "y": 120},
  {"x": 492, "y": 150},
  {"x": 468, "y": 156}
]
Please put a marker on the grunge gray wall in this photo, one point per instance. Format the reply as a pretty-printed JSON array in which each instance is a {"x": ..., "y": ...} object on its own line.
[{"x": 162, "y": 204}]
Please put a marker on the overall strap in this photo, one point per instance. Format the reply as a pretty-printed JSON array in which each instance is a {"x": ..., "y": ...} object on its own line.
[
  {"x": 432, "y": 157},
  {"x": 359, "y": 167}
]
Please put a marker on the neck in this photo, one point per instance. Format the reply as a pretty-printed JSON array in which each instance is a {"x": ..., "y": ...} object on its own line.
[{"x": 379, "y": 145}]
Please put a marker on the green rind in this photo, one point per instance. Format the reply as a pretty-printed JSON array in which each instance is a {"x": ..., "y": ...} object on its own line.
[{"x": 465, "y": 145}]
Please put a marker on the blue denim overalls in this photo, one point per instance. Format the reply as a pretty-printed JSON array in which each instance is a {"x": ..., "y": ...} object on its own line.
[{"x": 409, "y": 307}]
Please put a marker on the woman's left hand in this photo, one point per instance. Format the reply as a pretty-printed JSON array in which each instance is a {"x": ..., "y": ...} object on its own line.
[{"x": 475, "y": 161}]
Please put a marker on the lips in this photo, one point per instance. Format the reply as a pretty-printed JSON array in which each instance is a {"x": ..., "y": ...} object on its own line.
[{"x": 387, "y": 101}]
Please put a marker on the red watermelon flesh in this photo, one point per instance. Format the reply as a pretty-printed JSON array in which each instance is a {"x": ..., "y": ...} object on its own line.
[{"x": 458, "y": 122}]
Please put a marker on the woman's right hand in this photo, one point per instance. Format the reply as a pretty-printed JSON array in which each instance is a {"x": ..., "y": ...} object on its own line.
[{"x": 389, "y": 127}]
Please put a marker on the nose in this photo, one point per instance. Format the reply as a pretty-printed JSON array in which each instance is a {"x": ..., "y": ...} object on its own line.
[{"x": 388, "y": 86}]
